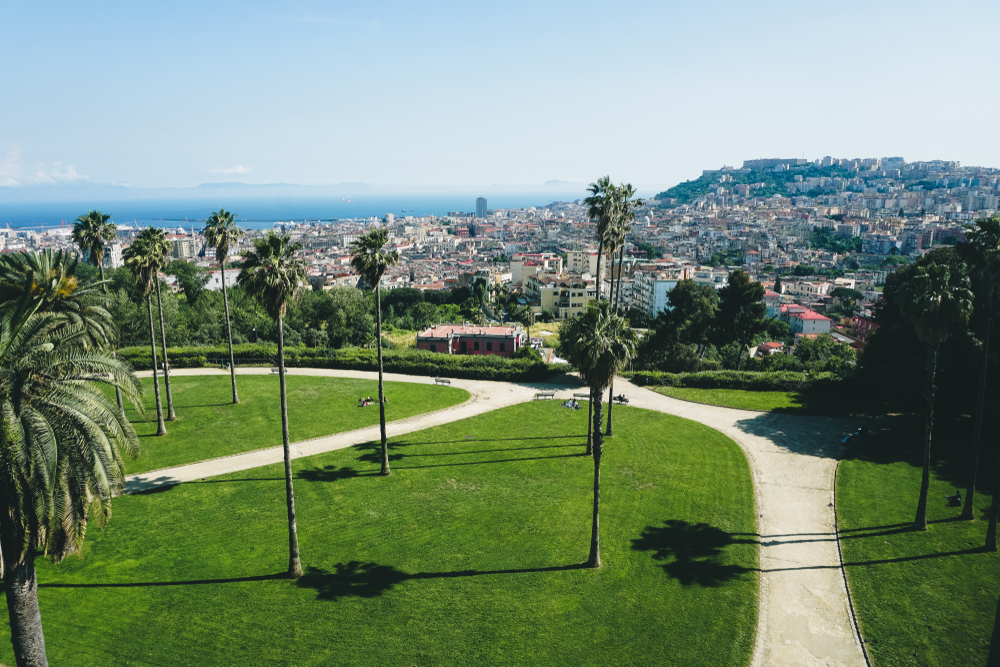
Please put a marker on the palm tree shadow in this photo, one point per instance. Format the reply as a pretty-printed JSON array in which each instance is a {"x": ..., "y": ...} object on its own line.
[
  {"x": 331, "y": 473},
  {"x": 693, "y": 551},
  {"x": 357, "y": 579}
]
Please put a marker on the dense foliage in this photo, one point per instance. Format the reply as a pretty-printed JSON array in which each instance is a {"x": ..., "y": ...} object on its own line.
[{"x": 772, "y": 182}]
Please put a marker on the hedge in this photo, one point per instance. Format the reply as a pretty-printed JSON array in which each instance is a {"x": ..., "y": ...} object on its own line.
[
  {"x": 747, "y": 380},
  {"x": 405, "y": 361}
]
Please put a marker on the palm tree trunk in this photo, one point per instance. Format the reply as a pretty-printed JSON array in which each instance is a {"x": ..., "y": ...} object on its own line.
[
  {"x": 925, "y": 479},
  {"x": 294, "y": 563},
  {"x": 594, "y": 560},
  {"x": 166, "y": 363},
  {"x": 21, "y": 588},
  {"x": 590, "y": 424},
  {"x": 993, "y": 659},
  {"x": 621, "y": 264},
  {"x": 161, "y": 429},
  {"x": 381, "y": 386},
  {"x": 991, "y": 529},
  {"x": 968, "y": 512},
  {"x": 229, "y": 336}
]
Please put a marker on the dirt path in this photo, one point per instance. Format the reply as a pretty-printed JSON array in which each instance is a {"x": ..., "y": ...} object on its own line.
[{"x": 804, "y": 613}]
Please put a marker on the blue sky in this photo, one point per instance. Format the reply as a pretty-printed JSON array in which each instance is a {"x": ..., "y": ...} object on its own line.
[{"x": 440, "y": 95}]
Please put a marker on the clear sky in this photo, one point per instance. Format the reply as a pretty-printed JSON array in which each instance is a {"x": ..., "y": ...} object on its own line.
[{"x": 418, "y": 95}]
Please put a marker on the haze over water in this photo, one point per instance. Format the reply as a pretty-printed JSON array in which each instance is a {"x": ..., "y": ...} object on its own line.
[{"x": 262, "y": 212}]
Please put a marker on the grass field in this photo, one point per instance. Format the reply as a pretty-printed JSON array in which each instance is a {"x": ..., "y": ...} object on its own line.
[
  {"x": 208, "y": 424},
  {"x": 467, "y": 555},
  {"x": 785, "y": 402},
  {"x": 922, "y": 598}
]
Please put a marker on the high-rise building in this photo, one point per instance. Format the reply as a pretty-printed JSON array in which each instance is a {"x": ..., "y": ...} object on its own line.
[{"x": 481, "y": 207}]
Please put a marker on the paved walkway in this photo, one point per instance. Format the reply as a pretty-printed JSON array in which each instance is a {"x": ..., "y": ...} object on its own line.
[{"x": 804, "y": 614}]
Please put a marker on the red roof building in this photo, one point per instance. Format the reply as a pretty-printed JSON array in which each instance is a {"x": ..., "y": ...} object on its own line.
[{"x": 473, "y": 339}]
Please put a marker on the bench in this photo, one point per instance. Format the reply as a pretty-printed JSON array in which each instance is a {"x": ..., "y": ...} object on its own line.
[
  {"x": 545, "y": 394},
  {"x": 442, "y": 381},
  {"x": 275, "y": 371},
  {"x": 582, "y": 397},
  {"x": 620, "y": 400}
]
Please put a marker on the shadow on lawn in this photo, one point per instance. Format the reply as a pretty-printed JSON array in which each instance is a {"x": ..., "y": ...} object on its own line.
[
  {"x": 194, "y": 582},
  {"x": 357, "y": 579},
  {"x": 373, "y": 452},
  {"x": 693, "y": 551}
]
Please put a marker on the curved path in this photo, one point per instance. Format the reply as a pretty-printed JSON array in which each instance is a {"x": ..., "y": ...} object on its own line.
[{"x": 804, "y": 612}]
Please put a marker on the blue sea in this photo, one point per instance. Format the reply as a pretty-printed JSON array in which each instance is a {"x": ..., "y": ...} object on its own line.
[{"x": 260, "y": 212}]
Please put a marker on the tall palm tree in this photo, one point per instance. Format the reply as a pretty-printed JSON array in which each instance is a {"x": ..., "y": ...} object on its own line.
[
  {"x": 932, "y": 300},
  {"x": 273, "y": 275},
  {"x": 61, "y": 443},
  {"x": 624, "y": 216},
  {"x": 158, "y": 249},
  {"x": 222, "y": 234},
  {"x": 90, "y": 232},
  {"x": 600, "y": 208},
  {"x": 138, "y": 261},
  {"x": 370, "y": 258},
  {"x": 983, "y": 250},
  {"x": 599, "y": 343}
]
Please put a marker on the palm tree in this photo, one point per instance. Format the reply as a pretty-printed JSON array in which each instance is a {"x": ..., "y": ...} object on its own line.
[
  {"x": 599, "y": 343},
  {"x": 90, "y": 232},
  {"x": 222, "y": 233},
  {"x": 983, "y": 249},
  {"x": 932, "y": 300},
  {"x": 61, "y": 443},
  {"x": 158, "y": 248},
  {"x": 370, "y": 258},
  {"x": 138, "y": 261},
  {"x": 273, "y": 274},
  {"x": 624, "y": 215}
]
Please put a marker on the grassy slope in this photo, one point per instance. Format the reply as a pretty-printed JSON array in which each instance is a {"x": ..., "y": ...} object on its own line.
[
  {"x": 934, "y": 592},
  {"x": 208, "y": 425},
  {"x": 784, "y": 402},
  {"x": 464, "y": 556}
]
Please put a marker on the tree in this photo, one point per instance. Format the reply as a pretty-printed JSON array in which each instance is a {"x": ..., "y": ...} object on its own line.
[
  {"x": 90, "y": 232},
  {"x": 139, "y": 262},
  {"x": 742, "y": 313},
  {"x": 624, "y": 216},
  {"x": 157, "y": 247},
  {"x": 932, "y": 300},
  {"x": 777, "y": 283},
  {"x": 61, "y": 440},
  {"x": 982, "y": 250},
  {"x": 222, "y": 234},
  {"x": 191, "y": 279},
  {"x": 274, "y": 276},
  {"x": 599, "y": 343},
  {"x": 688, "y": 322},
  {"x": 370, "y": 258}
]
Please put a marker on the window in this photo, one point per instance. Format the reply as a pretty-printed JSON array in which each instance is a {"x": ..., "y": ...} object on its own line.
[
  {"x": 475, "y": 346},
  {"x": 489, "y": 346},
  {"x": 503, "y": 347},
  {"x": 434, "y": 347}
]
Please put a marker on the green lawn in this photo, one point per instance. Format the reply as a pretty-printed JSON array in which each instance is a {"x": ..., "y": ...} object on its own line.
[
  {"x": 467, "y": 555},
  {"x": 931, "y": 593},
  {"x": 209, "y": 426},
  {"x": 785, "y": 402}
]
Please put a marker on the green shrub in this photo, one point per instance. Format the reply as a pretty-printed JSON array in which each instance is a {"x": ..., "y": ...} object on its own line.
[
  {"x": 404, "y": 361},
  {"x": 746, "y": 380}
]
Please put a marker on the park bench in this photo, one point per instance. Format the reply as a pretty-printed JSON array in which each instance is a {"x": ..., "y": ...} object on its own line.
[
  {"x": 545, "y": 394},
  {"x": 620, "y": 399},
  {"x": 582, "y": 397},
  {"x": 275, "y": 371},
  {"x": 442, "y": 381}
]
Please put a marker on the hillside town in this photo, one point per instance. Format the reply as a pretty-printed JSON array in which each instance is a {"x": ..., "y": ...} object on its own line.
[{"x": 833, "y": 239}]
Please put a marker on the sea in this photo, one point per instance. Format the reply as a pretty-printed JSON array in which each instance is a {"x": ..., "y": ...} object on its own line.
[{"x": 260, "y": 212}]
